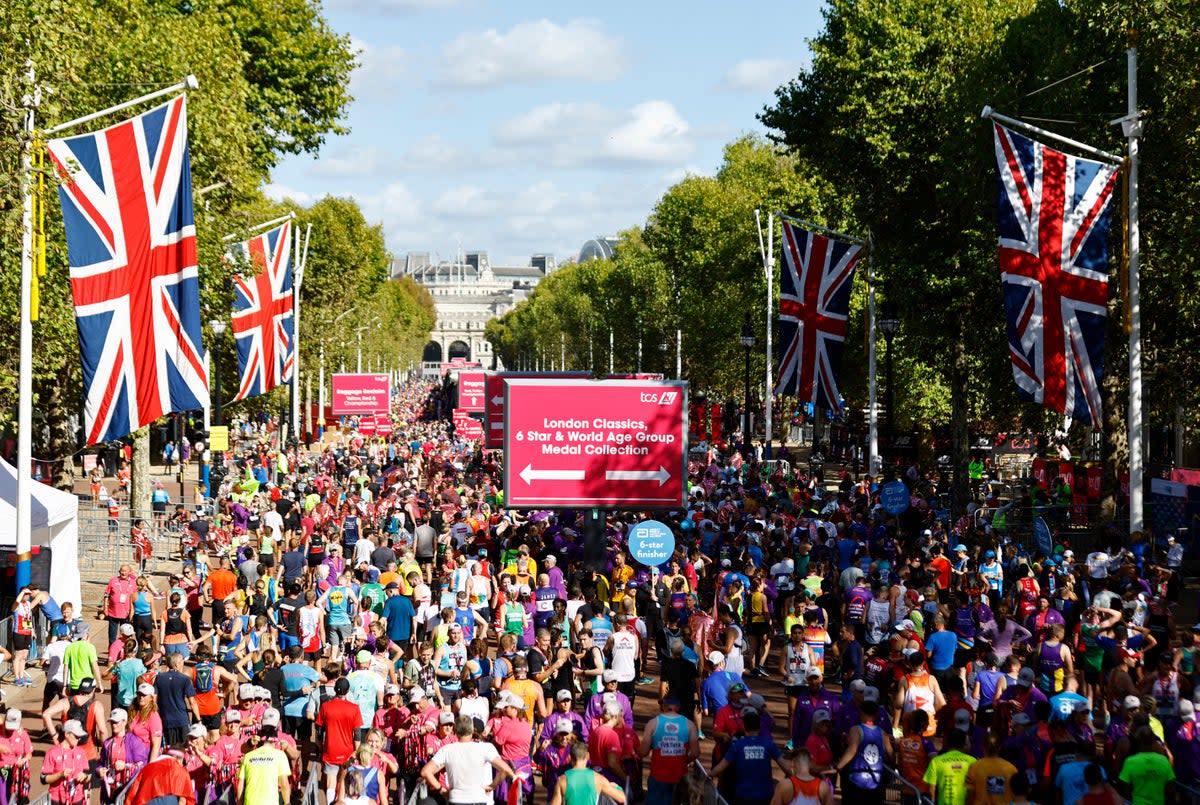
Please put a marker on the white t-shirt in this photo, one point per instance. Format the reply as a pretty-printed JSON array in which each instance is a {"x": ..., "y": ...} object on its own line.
[
  {"x": 274, "y": 521},
  {"x": 468, "y": 769},
  {"x": 474, "y": 706},
  {"x": 624, "y": 655}
]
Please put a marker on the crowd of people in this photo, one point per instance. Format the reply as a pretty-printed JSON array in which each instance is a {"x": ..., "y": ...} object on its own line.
[{"x": 372, "y": 607}]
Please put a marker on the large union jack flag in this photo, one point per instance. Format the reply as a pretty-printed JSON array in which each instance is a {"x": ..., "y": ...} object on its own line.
[
  {"x": 1054, "y": 219},
  {"x": 126, "y": 195},
  {"x": 814, "y": 300},
  {"x": 262, "y": 312}
]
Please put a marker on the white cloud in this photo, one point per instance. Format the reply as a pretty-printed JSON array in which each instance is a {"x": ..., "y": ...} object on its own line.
[
  {"x": 532, "y": 52},
  {"x": 380, "y": 71},
  {"x": 278, "y": 192},
  {"x": 466, "y": 201},
  {"x": 760, "y": 75},
  {"x": 655, "y": 132},
  {"x": 352, "y": 162},
  {"x": 568, "y": 135}
]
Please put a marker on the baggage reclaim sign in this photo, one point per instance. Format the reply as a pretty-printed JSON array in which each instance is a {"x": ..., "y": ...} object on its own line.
[{"x": 589, "y": 443}]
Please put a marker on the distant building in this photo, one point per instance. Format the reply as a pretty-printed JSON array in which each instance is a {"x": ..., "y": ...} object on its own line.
[
  {"x": 467, "y": 294},
  {"x": 598, "y": 249}
]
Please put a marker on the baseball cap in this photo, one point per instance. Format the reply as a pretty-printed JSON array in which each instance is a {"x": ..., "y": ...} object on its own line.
[
  {"x": 1131, "y": 702},
  {"x": 563, "y": 727},
  {"x": 342, "y": 686},
  {"x": 391, "y": 585},
  {"x": 1081, "y": 707},
  {"x": 271, "y": 717},
  {"x": 609, "y": 675},
  {"x": 607, "y": 698},
  {"x": 127, "y": 629},
  {"x": 86, "y": 685},
  {"x": 960, "y": 547},
  {"x": 246, "y": 691},
  {"x": 363, "y": 656},
  {"x": 927, "y": 533},
  {"x": 73, "y": 727},
  {"x": 563, "y": 696},
  {"x": 989, "y": 554},
  {"x": 716, "y": 657},
  {"x": 858, "y": 686},
  {"x": 1187, "y": 710},
  {"x": 906, "y": 626},
  {"x": 197, "y": 731},
  {"x": 814, "y": 673},
  {"x": 1025, "y": 678},
  {"x": 737, "y": 687},
  {"x": 416, "y": 694},
  {"x": 445, "y": 717},
  {"x": 1021, "y": 720},
  {"x": 819, "y": 716},
  {"x": 145, "y": 689},
  {"x": 117, "y": 714},
  {"x": 871, "y": 694},
  {"x": 391, "y": 690},
  {"x": 962, "y": 721},
  {"x": 232, "y": 716},
  {"x": 261, "y": 693}
]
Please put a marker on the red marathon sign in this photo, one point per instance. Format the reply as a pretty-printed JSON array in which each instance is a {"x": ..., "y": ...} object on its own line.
[
  {"x": 471, "y": 391},
  {"x": 581, "y": 443},
  {"x": 493, "y": 419},
  {"x": 467, "y": 426}
]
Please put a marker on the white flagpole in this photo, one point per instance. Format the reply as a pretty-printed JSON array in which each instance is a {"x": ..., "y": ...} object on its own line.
[
  {"x": 991, "y": 114},
  {"x": 768, "y": 258},
  {"x": 264, "y": 225},
  {"x": 297, "y": 278},
  {"x": 873, "y": 463},
  {"x": 1132, "y": 127},
  {"x": 24, "y": 537}
]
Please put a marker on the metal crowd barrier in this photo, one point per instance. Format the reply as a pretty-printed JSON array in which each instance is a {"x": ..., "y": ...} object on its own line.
[{"x": 1186, "y": 794}]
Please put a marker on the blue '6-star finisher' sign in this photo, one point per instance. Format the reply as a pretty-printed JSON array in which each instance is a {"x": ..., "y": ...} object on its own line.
[
  {"x": 651, "y": 543},
  {"x": 894, "y": 497}
]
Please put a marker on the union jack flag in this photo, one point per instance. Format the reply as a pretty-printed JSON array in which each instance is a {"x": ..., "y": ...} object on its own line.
[
  {"x": 1054, "y": 219},
  {"x": 126, "y": 196},
  {"x": 814, "y": 300},
  {"x": 262, "y": 313}
]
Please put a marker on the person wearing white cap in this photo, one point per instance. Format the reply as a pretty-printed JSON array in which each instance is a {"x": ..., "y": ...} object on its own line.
[
  {"x": 264, "y": 776},
  {"x": 65, "y": 767},
  {"x": 1184, "y": 743},
  {"x": 512, "y": 733},
  {"x": 226, "y": 750},
  {"x": 20, "y": 750},
  {"x": 122, "y": 755},
  {"x": 595, "y": 707}
]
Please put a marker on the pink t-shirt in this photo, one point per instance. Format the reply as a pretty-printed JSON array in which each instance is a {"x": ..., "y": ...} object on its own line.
[
  {"x": 120, "y": 594},
  {"x": 72, "y": 761},
  {"x": 19, "y": 746},
  {"x": 150, "y": 730},
  {"x": 512, "y": 737}
]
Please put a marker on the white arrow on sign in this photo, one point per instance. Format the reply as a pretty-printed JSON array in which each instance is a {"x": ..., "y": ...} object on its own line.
[
  {"x": 661, "y": 475},
  {"x": 497, "y": 426},
  {"x": 529, "y": 475},
  {"x": 497, "y": 400}
]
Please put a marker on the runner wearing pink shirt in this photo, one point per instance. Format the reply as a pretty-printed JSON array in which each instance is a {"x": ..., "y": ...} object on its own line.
[{"x": 117, "y": 603}]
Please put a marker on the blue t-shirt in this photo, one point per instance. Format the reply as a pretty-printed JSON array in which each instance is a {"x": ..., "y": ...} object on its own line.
[
  {"x": 1070, "y": 781},
  {"x": 750, "y": 759},
  {"x": 399, "y": 613},
  {"x": 173, "y": 690},
  {"x": 1063, "y": 705},
  {"x": 715, "y": 690},
  {"x": 941, "y": 646},
  {"x": 295, "y": 676}
]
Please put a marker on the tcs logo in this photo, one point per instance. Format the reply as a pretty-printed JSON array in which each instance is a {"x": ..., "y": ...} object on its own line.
[{"x": 659, "y": 397}]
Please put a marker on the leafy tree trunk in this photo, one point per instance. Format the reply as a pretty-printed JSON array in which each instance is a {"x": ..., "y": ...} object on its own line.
[
  {"x": 960, "y": 432},
  {"x": 1114, "y": 451},
  {"x": 139, "y": 475},
  {"x": 62, "y": 437}
]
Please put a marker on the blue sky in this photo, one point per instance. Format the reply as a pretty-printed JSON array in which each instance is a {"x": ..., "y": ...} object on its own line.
[{"x": 519, "y": 128}]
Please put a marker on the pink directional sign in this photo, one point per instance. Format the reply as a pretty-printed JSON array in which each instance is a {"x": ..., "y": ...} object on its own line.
[
  {"x": 471, "y": 391},
  {"x": 581, "y": 443},
  {"x": 360, "y": 394},
  {"x": 493, "y": 420}
]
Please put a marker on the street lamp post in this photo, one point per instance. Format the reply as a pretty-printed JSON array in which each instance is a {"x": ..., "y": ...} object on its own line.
[
  {"x": 889, "y": 325},
  {"x": 747, "y": 340}
]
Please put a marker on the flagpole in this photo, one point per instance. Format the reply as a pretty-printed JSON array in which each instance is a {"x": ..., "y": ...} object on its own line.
[
  {"x": 768, "y": 258},
  {"x": 823, "y": 229},
  {"x": 989, "y": 113},
  {"x": 873, "y": 464},
  {"x": 298, "y": 280},
  {"x": 24, "y": 537},
  {"x": 1132, "y": 128},
  {"x": 24, "y": 503},
  {"x": 264, "y": 225}
]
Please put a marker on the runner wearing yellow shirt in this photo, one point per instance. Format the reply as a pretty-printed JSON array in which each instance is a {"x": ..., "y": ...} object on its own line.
[
  {"x": 987, "y": 779},
  {"x": 947, "y": 772},
  {"x": 265, "y": 774}
]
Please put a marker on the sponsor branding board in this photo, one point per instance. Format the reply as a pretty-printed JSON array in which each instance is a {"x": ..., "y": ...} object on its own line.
[{"x": 360, "y": 394}]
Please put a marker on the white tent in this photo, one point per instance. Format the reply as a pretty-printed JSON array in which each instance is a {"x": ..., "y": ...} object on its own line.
[{"x": 55, "y": 526}]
